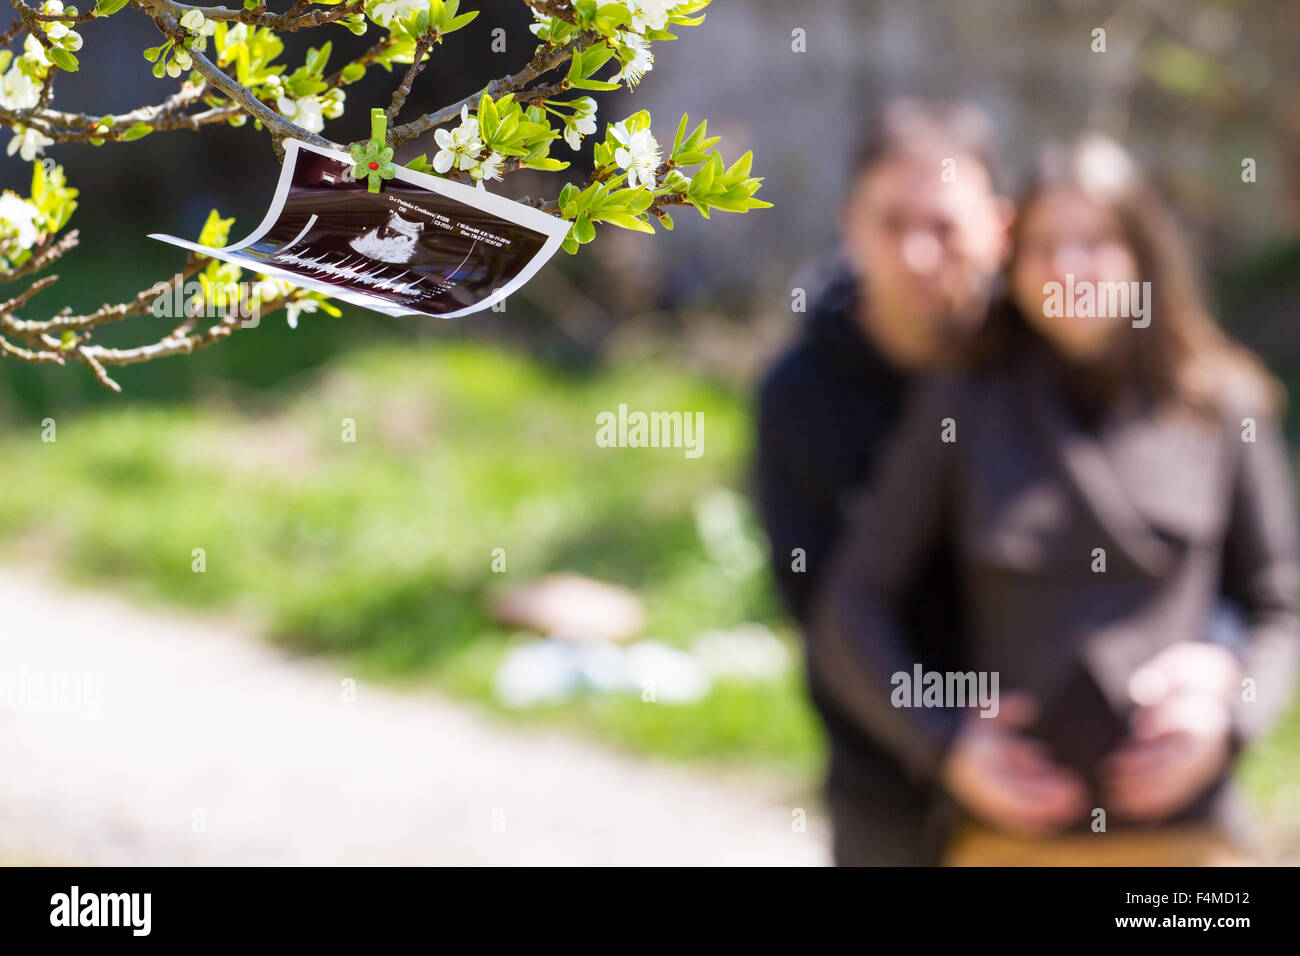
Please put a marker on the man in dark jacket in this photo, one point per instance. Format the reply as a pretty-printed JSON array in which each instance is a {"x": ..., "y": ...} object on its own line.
[{"x": 923, "y": 234}]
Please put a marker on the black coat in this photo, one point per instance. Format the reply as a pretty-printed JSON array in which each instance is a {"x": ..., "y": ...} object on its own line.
[{"x": 826, "y": 409}]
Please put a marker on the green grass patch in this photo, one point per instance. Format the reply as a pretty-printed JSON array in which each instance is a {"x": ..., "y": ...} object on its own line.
[{"x": 380, "y": 550}]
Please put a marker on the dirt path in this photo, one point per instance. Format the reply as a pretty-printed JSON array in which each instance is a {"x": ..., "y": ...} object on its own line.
[{"x": 212, "y": 748}]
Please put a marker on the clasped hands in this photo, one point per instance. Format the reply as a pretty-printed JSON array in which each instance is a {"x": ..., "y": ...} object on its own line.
[{"x": 1178, "y": 743}]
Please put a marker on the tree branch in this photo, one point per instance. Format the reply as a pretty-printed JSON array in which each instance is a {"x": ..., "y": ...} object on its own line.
[
  {"x": 546, "y": 59},
  {"x": 288, "y": 22},
  {"x": 279, "y": 126}
]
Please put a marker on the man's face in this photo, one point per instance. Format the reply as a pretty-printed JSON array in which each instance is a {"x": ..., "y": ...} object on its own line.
[{"x": 927, "y": 246}]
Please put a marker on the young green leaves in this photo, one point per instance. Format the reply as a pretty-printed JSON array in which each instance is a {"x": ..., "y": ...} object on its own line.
[
  {"x": 508, "y": 129},
  {"x": 630, "y": 146}
]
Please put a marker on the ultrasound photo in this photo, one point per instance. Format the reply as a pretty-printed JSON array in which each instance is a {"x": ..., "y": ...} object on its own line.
[{"x": 421, "y": 246}]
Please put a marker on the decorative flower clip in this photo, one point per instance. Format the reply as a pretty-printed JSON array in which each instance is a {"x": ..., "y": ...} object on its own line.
[{"x": 374, "y": 160}]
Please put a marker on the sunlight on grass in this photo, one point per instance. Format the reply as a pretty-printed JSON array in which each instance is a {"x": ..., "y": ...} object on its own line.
[{"x": 380, "y": 550}]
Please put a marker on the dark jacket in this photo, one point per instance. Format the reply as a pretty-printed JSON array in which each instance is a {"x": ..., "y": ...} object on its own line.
[
  {"x": 1023, "y": 498},
  {"x": 825, "y": 411}
]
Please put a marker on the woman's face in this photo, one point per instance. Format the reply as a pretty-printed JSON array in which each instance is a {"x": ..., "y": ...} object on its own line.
[{"x": 1068, "y": 244}]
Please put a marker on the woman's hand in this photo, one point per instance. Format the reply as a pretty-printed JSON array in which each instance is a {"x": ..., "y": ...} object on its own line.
[
  {"x": 1179, "y": 739},
  {"x": 1009, "y": 780}
]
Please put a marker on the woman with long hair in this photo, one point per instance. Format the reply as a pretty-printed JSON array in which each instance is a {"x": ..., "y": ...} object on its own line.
[{"x": 1110, "y": 476}]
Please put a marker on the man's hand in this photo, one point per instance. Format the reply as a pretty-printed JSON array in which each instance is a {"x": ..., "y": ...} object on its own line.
[
  {"x": 1179, "y": 738},
  {"x": 1009, "y": 780}
]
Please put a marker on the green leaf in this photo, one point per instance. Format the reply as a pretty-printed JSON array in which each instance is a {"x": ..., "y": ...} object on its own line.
[
  {"x": 727, "y": 205},
  {"x": 460, "y": 21},
  {"x": 594, "y": 57},
  {"x": 568, "y": 195},
  {"x": 138, "y": 131},
  {"x": 63, "y": 58},
  {"x": 740, "y": 168},
  {"x": 316, "y": 59},
  {"x": 550, "y": 165},
  {"x": 583, "y": 230},
  {"x": 702, "y": 182},
  {"x": 353, "y": 72},
  {"x": 611, "y": 16},
  {"x": 487, "y": 117},
  {"x": 636, "y": 200},
  {"x": 681, "y": 131},
  {"x": 104, "y": 8},
  {"x": 215, "y": 230},
  {"x": 627, "y": 222},
  {"x": 592, "y": 85}
]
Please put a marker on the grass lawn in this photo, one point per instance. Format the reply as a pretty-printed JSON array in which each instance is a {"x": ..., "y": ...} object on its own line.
[{"x": 379, "y": 551}]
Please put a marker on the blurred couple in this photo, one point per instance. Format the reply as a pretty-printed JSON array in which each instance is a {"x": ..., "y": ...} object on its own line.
[{"x": 1012, "y": 441}]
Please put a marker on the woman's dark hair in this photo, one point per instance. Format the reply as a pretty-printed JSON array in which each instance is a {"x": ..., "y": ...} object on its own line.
[{"x": 1183, "y": 358}]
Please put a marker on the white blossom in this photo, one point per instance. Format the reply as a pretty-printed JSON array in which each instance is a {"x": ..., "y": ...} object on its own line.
[
  {"x": 297, "y": 306},
  {"x": 581, "y": 123},
  {"x": 649, "y": 14},
  {"x": 192, "y": 20},
  {"x": 17, "y": 91},
  {"x": 28, "y": 143},
  {"x": 308, "y": 112},
  {"x": 638, "y": 153},
  {"x": 385, "y": 11},
  {"x": 311, "y": 114},
  {"x": 638, "y": 60},
  {"x": 458, "y": 147},
  {"x": 34, "y": 52},
  {"x": 332, "y": 103},
  {"x": 268, "y": 288},
  {"x": 17, "y": 223},
  {"x": 489, "y": 168}
]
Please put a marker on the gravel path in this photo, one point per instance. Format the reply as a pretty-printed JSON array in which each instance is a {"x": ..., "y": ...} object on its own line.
[{"x": 210, "y": 747}]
